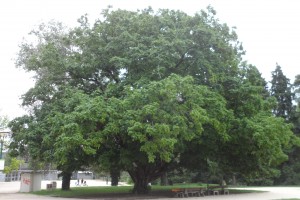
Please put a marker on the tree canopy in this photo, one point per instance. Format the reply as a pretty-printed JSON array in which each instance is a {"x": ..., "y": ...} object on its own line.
[{"x": 146, "y": 92}]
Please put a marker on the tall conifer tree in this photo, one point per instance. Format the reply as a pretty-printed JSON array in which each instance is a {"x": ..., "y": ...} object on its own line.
[{"x": 281, "y": 89}]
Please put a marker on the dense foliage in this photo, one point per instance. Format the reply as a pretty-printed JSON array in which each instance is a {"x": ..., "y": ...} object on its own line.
[
  {"x": 147, "y": 92},
  {"x": 281, "y": 89},
  {"x": 285, "y": 93}
]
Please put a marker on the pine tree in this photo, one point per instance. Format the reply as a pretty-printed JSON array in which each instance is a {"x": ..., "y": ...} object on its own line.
[{"x": 281, "y": 89}]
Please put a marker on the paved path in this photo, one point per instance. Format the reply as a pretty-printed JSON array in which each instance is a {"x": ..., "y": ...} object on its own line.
[
  {"x": 9, "y": 190},
  {"x": 271, "y": 193}
]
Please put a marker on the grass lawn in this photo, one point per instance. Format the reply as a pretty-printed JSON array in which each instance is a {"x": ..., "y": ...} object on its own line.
[
  {"x": 86, "y": 191},
  {"x": 124, "y": 191},
  {"x": 287, "y": 199}
]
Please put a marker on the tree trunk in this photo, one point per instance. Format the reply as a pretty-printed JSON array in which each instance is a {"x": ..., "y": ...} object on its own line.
[
  {"x": 141, "y": 186},
  {"x": 164, "y": 179},
  {"x": 143, "y": 174},
  {"x": 66, "y": 179},
  {"x": 140, "y": 180},
  {"x": 234, "y": 180},
  {"x": 115, "y": 175}
]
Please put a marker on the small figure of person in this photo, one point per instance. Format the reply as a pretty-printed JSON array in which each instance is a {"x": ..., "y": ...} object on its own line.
[{"x": 82, "y": 181}]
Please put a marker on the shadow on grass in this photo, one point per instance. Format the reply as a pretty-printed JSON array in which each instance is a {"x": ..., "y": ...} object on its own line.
[{"x": 123, "y": 192}]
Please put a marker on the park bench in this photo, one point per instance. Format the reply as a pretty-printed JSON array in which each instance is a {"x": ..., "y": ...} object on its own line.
[
  {"x": 178, "y": 192},
  {"x": 195, "y": 191},
  {"x": 216, "y": 190},
  {"x": 186, "y": 192}
]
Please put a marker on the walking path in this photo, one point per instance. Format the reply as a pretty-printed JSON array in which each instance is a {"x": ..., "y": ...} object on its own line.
[
  {"x": 9, "y": 191},
  {"x": 271, "y": 193}
]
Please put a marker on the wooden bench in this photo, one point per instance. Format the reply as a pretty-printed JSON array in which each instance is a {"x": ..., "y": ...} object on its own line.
[
  {"x": 186, "y": 192},
  {"x": 194, "y": 192},
  {"x": 216, "y": 190},
  {"x": 224, "y": 190},
  {"x": 178, "y": 192}
]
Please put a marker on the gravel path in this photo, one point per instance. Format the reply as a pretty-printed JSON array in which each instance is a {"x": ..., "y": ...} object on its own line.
[{"x": 9, "y": 190}]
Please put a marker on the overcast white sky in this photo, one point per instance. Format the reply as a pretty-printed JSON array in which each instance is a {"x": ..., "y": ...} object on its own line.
[{"x": 269, "y": 30}]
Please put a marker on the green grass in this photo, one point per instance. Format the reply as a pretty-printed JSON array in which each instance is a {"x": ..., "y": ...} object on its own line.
[
  {"x": 183, "y": 185},
  {"x": 287, "y": 199},
  {"x": 85, "y": 191},
  {"x": 97, "y": 191}
]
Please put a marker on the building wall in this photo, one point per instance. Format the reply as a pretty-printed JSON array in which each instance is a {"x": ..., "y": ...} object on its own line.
[{"x": 83, "y": 175}]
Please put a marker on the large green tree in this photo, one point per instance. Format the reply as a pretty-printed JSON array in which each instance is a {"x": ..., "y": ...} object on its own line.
[
  {"x": 162, "y": 119},
  {"x": 108, "y": 93},
  {"x": 152, "y": 125}
]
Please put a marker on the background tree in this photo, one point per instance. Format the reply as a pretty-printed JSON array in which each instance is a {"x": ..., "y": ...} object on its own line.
[
  {"x": 281, "y": 89},
  {"x": 296, "y": 118},
  {"x": 3, "y": 122},
  {"x": 290, "y": 169},
  {"x": 3, "y": 127},
  {"x": 12, "y": 164},
  {"x": 251, "y": 125}
]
